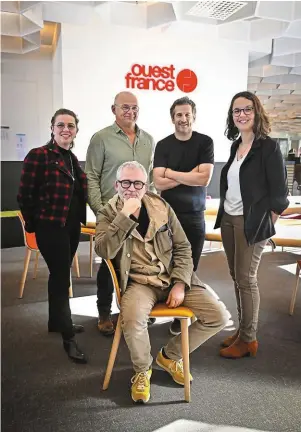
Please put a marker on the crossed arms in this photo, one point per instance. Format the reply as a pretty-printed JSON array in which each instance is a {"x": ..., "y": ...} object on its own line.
[{"x": 166, "y": 178}]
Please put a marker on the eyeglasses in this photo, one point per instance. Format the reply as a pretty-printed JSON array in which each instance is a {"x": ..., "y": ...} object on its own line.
[
  {"x": 126, "y": 108},
  {"x": 62, "y": 126},
  {"x": 126, "y": 184},
  {"x": 247, "y": 111}
]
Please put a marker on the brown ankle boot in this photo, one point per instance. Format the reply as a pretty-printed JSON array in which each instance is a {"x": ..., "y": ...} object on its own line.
[
  {"x": 240, "y": 349},
  {"x": 105, "y": 326},
  {"x": 230, "y": 340}
]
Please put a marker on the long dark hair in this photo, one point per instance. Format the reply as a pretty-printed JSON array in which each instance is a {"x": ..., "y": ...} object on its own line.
[
  {"x": 64, "y": 111},
  {"x": 261, "y": 127}
]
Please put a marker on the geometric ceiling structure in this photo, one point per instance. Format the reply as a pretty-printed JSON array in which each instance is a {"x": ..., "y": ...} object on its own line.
[
  {"x": 21, "y": 23},
  {"x": 271, "y": 31}
]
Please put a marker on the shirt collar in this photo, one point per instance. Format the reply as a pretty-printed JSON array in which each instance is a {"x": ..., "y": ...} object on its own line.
[{"x": 118, "y": 129}]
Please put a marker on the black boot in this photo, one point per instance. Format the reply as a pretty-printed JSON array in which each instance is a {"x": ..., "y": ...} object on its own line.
[{"x": 73, "y": 351}]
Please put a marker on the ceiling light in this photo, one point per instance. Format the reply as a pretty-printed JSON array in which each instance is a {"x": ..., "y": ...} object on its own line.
[{"x": 219, "y": 10}]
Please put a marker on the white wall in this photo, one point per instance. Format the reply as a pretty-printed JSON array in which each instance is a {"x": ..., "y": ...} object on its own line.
[
  {"x": 26, "y": 100},
  {"x": 88, "y": 69},
  {"x": 96, "y": 58},
  {"x": 57, "y": 78}
]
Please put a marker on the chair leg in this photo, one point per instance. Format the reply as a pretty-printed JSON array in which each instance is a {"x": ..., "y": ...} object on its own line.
[
  {"x": 23, "y": 279},
  {"x": 185, "y": 354},
  {"x": 113, "y": 354},
  {"x": 91, "y": 255},
  {"x": 36, "y": 262},
  {"x": 70, "y": 287},
  {"x": 294, "y": 294},
  {"x": 76, "y": 265}
]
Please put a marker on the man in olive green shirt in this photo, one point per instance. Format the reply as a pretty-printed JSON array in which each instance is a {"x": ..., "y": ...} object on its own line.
[{"x": 110, "y": 147}]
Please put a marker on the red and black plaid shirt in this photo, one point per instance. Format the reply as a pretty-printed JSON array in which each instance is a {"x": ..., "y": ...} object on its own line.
[{"x": 46, "y": 186}]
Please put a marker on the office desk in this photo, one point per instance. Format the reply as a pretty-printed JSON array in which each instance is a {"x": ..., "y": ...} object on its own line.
[
  {"x": 288, "y": 231},
  {"x": 294, "y": 206}
]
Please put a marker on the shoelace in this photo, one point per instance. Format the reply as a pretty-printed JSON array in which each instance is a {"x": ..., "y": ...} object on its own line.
[
  {"x": 177, "y": 366},
  {"x": 140, "y": 379}
]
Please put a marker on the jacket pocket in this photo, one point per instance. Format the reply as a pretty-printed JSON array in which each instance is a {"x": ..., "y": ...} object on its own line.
[
  {"x": 164, "y": 241},
  {"x": 259, "y": 223}
]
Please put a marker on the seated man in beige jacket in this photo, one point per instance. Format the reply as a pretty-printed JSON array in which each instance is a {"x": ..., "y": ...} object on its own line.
[{"x": 153, "y": 260}]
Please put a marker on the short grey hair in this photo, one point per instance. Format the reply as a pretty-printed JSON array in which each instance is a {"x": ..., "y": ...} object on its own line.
[{"x": 130, "y": 164}]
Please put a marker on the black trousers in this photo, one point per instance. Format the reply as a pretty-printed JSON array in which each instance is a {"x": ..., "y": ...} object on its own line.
[
  {"x": 58, "y": 246},
  {"x": 104, "y": 290},
  {"x": 194, "y": 227}
]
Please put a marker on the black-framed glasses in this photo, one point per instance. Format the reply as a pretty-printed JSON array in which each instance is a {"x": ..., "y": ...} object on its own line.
[
  {"x": 126, "y": 108},
  {"x": 247, "y": 111},
  {"x": 61, "y": 126},
  {"x": 126, "y": 184}
]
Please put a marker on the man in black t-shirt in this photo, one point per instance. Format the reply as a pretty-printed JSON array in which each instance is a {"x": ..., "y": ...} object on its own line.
[{"x": 183, "y": 166}]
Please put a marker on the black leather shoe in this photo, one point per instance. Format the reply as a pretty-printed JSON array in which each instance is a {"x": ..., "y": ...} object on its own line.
[
  {"x": 77, "y": 328},
  {"x": 73, "y": 351}
]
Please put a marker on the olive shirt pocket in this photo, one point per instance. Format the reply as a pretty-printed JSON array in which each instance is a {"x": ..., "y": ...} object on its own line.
[{"x": 164, "y": 239}]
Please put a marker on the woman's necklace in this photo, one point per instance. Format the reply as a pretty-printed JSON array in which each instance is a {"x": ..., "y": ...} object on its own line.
[{"x": 240, "y": 155}]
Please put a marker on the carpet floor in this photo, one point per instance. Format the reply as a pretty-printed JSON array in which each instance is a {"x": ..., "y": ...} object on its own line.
[{"x": 42, "y": 391}]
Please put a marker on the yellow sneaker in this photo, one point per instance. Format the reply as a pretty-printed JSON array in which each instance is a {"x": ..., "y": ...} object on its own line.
[
  {"x": 174, "y": 368},
  {"x": 141, "y": 386}
]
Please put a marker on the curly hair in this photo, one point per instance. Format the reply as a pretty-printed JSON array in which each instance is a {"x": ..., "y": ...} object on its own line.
[
  {"x": 261, "y": 127},
  {"x": 64, "y": 111}
]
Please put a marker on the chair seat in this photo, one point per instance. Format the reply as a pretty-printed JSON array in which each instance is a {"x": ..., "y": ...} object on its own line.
[
  {"x": 213, "y": 237},
  {"x": 160, "y": 310},
  {"x": 89, "y": 231},
  {"x": 31, "y": 241}
]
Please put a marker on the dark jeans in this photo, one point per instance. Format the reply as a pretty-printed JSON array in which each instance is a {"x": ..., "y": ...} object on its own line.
[
  {"x": 58, "y": 246},
  {"x": 104, "y": 290},
  {"x": 194, "y": 226}
]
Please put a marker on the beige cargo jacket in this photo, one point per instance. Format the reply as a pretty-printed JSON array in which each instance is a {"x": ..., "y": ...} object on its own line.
[{"x": 115, "y": 234}]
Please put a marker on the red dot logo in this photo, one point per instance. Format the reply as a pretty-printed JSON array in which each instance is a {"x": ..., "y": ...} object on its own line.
[{"x": 187, "y": 80}]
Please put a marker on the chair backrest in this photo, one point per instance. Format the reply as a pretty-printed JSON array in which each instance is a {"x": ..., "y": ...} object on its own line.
[
  {"x": 115, "y": 281},
  {"x": 29, "y": 238},
  {"x": 290, "y": 170}
]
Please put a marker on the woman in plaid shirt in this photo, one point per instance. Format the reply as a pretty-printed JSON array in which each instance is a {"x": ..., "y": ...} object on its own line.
[{"x": 52, "y": 198}]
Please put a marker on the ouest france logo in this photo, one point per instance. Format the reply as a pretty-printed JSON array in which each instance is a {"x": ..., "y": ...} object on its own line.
[{"x": 161, "y": 78}]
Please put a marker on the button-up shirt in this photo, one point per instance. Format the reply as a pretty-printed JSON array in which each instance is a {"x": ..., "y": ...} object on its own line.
[{"x": 108, "y": 149}]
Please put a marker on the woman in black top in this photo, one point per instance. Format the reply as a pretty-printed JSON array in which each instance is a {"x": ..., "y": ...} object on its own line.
[
  {"x": 52, "y": 198},
  {"x": 253, "y": 193}
]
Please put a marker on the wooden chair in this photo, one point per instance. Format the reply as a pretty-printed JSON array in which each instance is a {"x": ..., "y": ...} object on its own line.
[
  {"x": 294, "y": 293},
  {"x": 91, "y": 233},
  {"x": 160, "y": 310},
  {"x": 31, "y": 246}
]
